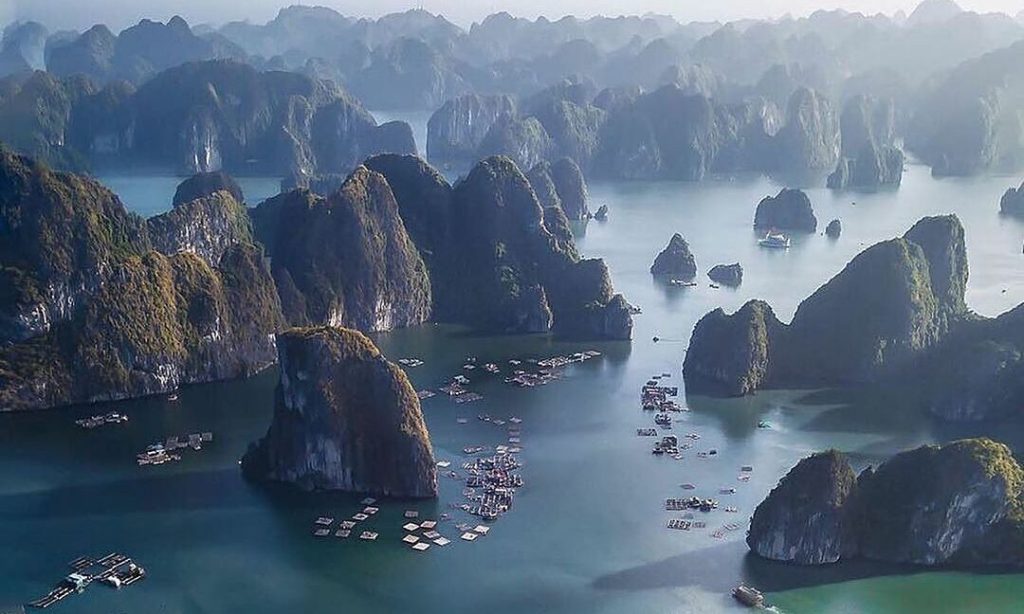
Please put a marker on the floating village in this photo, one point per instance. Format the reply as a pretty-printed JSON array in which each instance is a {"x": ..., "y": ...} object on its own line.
[
  {"x": 169, "y": 451},
  {"x": 489, "y": 474},
  {"x": 659, "y": 398},
  {"x": 114, "y": 570}
]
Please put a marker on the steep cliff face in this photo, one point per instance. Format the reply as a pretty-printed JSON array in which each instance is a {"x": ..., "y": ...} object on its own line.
[
  {"x": 977, "y": 374},
  {"x": 944, "y": 504},
  {"x": 37, "y": 116},
  {"x": 959, "y": 503},
  {"x": 889, "y": 313},
  {"x": 494, "y": 261},
  {"x": 59, "y": 233},
  {"x": 675, "y": 260},
  {"x": 804, "y": 518},
  {"x": 810, "y": 140},
  {"x": 867, "y": 120},
  {"x": 872, "y": 168},
  {"x": 788, "y": 210},
  {"x": 345, "y": 418},
  {"x": 90, "y": 312},
  {"x": 561, "y": 185},
  {"x": 456, "y": 130},
  {"x": 524, "y": 140},
  {"x": 571, "y": 187},
  {"x": 969, "y": 121},
  {"x": 574, "y": 129},
  {"x": 544, "y": 186},
  {"x": 206, "y": 226},
  {"x": 882, "y": 313},
  {"x": 346, "y": 260}
]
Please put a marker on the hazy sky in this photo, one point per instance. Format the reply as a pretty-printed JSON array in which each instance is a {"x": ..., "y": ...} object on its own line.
[{"x": 119, "y": 13}]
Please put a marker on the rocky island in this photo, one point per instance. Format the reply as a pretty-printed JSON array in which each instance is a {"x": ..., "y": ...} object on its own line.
[
  {"x": 834, "y": 229},
  {"x": 675, "y": 261},
  {"x": 345, "y": 418},
  {"x": 871, "y": 168},
  {"x": 102, "y": 305},
  {"x": 497, "y": 260},
  {"x": 788, "y": 210},
  {"x": 1012, "y": 202},
  {"x": 896, "y": 300},
  {"x": 727, "y": 274},
  {"x": 870, "y": 158},
  {"x": 960, "y": 504},
  {"x": 344, "y": 260},
  {"x": 196, "y": 117}
]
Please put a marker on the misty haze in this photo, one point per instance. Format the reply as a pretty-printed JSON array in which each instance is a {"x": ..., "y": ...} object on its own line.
[{"x": 501, "y": 307}]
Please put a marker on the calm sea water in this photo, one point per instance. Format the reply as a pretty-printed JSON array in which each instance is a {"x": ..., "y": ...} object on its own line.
[
  {"x": 588, "y": 530},
  {"x": 150, "y": 195}
]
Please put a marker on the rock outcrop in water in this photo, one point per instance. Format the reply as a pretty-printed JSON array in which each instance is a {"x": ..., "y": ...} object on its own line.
[
  {"x": 834, "y": 229},
  {"x": 805, "y": 520},
  {"x": 891, "y": 304},
  {"x": 494, "y": 261},
  {"x": 675, "y": 261},
  {"x": 788, "y": 210},
  {"x": 345, "y": 260},
  {"x": 1012, "y": 202},
  {"x": 90, "y": 311},
  {"x": 727, "y": 274},
  {"x": 345, "y": 418},
  {"x": 957, "y": 504},
  {"x": 733, "y": 354}
]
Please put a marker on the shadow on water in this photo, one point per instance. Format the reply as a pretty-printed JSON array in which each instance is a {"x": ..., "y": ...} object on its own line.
[
  {"x": 216, "y": 489},
  {"x": 712, "y": 570}
]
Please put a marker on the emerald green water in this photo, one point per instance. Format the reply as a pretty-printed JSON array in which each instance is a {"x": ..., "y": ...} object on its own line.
[{"x": 588, "y": 530}]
